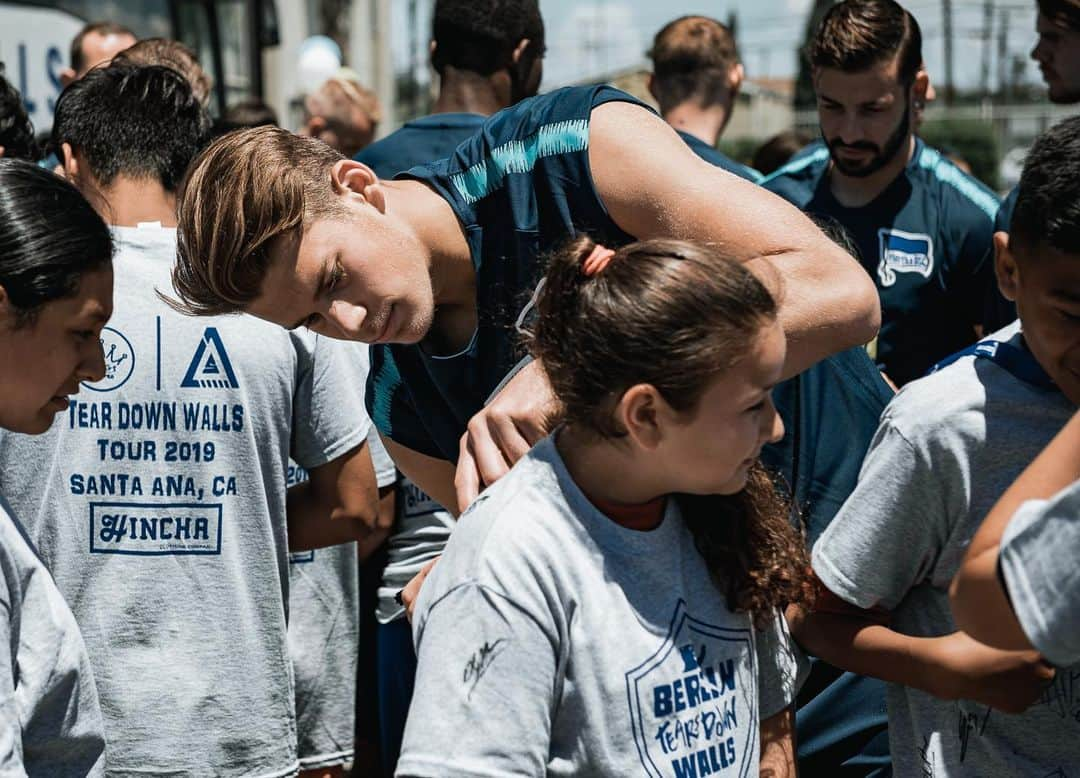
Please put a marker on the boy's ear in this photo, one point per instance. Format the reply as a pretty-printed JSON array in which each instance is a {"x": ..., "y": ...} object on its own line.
[
  {"x": 735, "y": 79},
  {"x": 6, "y": 314},
  {"x": 348, "y": 175},
  {"x": 68, "y": 163},
  {"x": 920, "y": 88},
  {"x": 1005, "y": 266},
  {"x": 519, "y": 50}
]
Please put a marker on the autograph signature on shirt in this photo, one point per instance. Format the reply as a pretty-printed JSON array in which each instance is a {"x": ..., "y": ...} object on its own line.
[{"x": 479, "y": 662}]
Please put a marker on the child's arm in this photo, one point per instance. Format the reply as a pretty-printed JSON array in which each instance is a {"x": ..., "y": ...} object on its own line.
[
  {"x": 778, "y": 745},
  {"x": 980, "y": 602},
  {"x": 949, "y": 667},
  {"x": 338, "y": 503}
]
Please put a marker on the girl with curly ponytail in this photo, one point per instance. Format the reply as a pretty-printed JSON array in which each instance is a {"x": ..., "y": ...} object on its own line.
[{"x": 615, "y": 598}]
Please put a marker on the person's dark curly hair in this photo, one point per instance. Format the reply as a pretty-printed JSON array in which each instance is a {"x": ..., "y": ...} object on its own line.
[
  {"x": 16, "y": 130},
  {"x": 675, "y": 315}
]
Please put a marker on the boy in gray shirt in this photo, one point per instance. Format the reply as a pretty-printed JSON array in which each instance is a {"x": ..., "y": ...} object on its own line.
[
  {"x": 948, "y": 446},
  {"x": 158, "y": 499}
]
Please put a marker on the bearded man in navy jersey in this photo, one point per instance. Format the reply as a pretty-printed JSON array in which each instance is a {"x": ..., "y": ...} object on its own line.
[{"x": 923, "y": 228}]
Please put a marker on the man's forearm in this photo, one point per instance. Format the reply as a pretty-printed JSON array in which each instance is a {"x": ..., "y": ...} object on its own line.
[{"x": 827, "y": 304}]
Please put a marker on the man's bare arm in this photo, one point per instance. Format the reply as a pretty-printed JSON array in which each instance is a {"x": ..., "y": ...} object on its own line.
[{"x": 654, "y": 186}]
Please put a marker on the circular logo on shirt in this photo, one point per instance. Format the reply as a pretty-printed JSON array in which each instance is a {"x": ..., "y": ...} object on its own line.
[{"x": 119, "y": 361}]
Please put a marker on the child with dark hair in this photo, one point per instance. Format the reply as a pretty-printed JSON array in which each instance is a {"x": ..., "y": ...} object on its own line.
[
  {"x": 55, "y": 297},
  {"x": 624, "y": 578},
  {"x": 948, "y": 446}
]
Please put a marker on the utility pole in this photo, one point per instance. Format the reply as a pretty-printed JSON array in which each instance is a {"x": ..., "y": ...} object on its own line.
[
  {"x": 947, "y": 29},
  {"x": 987, "y": 36},
  {"x": 370, "y": 55},
  {"x": 1003, "y": 53}
]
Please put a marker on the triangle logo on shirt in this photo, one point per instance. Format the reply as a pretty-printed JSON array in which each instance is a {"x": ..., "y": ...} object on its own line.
[{"x": 210, "y": 368}]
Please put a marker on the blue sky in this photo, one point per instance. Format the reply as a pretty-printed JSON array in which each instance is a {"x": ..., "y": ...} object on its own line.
[{"x": 586, "y": 39}]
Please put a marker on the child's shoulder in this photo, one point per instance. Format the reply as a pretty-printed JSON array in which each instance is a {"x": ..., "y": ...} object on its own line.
[
  {"x": 958, "y": 395},
  {"x": 519, "y": 524},
  {"x": 938, "y": 406}
]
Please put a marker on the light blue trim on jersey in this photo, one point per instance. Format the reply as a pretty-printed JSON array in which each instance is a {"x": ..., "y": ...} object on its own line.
[
  {"x": 798, "y": 164},
  {"x": 387, "y": 382},
  {"x": 520, "y": 156},
  {"x": 947, "y": 173}
]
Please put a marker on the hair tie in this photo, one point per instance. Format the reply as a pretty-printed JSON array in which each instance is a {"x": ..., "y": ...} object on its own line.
[{"x": 597, "y": 260}]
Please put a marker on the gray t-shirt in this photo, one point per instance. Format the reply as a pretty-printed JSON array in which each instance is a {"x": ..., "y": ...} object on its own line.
[
  {"x": 421, "y": 529},
  {"x": 553, "y": 641},
  {"x": 158, "y": 503},
  {"x": 947, "y": 448},
  {"x": 1039, "y": 554},
  {"x": 50, "y": 720},
  {"x": 324, "y": 615}
]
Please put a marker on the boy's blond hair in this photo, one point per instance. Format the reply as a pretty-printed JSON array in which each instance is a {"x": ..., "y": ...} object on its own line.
[{"x": 246, "y": 190}]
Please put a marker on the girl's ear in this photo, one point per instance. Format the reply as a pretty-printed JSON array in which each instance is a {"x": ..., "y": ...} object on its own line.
[{"x": 641, "y": 412}]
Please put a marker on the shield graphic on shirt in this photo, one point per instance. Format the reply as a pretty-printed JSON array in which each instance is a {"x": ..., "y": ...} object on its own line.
[
  {"x": 692, "y": 702},
  {"x": 904, "y": 252}
]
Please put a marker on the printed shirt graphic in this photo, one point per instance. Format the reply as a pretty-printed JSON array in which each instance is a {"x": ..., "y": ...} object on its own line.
[
  {"x": 552, "y": 641},
  {"x": 520, "y": 187},
  {"x": 949, "y": 445},
  {"x": 927, "y": 242},
  {"x": 158, "y": 502}
]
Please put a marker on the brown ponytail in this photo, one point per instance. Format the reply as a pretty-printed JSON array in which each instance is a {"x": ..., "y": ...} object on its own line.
[{"x": 675, "y": 315}]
